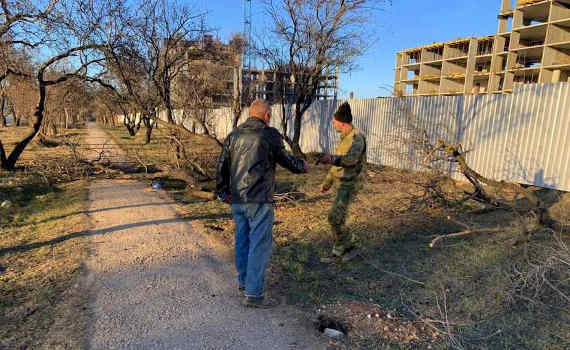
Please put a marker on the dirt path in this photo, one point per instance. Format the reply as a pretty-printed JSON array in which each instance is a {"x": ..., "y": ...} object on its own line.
[{"x": 157, "y": 283}]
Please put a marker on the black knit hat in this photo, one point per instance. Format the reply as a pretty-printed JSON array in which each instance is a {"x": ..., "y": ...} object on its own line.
[{"x": 343, "y": 113}]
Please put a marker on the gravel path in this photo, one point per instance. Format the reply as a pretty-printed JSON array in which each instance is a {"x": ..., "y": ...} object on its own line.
[{"x": 157, "y": 283}]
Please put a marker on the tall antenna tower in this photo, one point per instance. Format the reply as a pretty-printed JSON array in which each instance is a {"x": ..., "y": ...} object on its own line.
[
  {"x": 245, "y": 75},
  {"x": 247, "y": 50}
]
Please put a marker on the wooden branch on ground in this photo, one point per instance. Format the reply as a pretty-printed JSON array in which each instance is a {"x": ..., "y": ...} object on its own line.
[
  {"x": 477, "y": 180},
  {"x": 468, "y": 230},
  {"x": 286, "y": 197},
  {"x": 142, "y": 163},
  {"x": 464, "y": 233}
]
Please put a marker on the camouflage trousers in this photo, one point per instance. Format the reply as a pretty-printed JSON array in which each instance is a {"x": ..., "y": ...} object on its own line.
[{"x": 337, "y": 219}]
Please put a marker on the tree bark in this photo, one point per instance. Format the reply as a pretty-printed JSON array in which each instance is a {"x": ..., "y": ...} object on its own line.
[
  {"x": 9, "y": 163},
  {"x": 295, "y": 146},
  {"x": 149, "y": 126},
  {"x": 3, "y": 122},
  {"x": 2, "y": 155},
  {"x": 236, "y": 114},
  {"x": 66, "y": 118},
  {"x": 236, "y": 98},
  {"x": 132, "y": 125}
]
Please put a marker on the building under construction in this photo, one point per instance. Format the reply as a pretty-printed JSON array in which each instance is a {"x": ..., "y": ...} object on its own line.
[
  {"x": 235, "y": 79},
  {"x": 532, "y": 45},
  {"x": 273, "y": 85},
  {"x": 278, "y": 86}
]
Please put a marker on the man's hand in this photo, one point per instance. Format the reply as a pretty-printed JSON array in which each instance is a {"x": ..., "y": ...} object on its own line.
[
  {"x": 308, "y": 166},
  {"x": 325, "y": 159}
]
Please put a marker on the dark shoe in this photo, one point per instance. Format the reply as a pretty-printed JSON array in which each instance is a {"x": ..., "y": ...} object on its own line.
[
  {"x": 241, "y": 289},
  {"x": 350, "y": 254},
  {"x": 261, "y": 303},
  {"x": 335, "y": 257}
]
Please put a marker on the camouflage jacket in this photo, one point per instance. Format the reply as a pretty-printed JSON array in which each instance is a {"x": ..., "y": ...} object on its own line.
[{"x": 349, "y": 160}]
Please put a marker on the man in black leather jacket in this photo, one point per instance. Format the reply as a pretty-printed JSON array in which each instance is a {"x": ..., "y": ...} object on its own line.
[{"x": 245, "y": 176}]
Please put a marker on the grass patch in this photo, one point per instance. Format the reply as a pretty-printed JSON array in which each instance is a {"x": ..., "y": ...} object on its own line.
[
  {"x": 159, "y": 156},
  {"x": 474, "y": 292},
  {"x": 38, "y": 306}
]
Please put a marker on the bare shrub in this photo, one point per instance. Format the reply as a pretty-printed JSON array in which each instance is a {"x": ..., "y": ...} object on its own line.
[{"x": 543, "y": 279}]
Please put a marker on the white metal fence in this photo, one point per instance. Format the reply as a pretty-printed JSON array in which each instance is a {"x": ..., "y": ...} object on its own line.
[{"x": 522, "y": 137}]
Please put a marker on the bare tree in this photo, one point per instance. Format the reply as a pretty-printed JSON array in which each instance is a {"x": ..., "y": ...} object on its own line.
[
  {"x": 431, "y": 149},
  {"x": 3, "y": 104},
  {"x": 22, "y": 94},
  {"x": 3, "y": 121},
  {"x": 313, "y": 39},
  {"x": 202, "y": 81},
  {"x": 105, "y": 106},
  {"x": 151, "y": 55},
  {"x": 208, "y": 82},
  {"x": 64, "y": 104},
  {"x": 19, "y": 88},
  {"x": 58, "y": 32}
]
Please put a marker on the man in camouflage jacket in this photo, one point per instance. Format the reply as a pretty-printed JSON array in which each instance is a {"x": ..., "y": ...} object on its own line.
[{"x": 347, "y": 168}]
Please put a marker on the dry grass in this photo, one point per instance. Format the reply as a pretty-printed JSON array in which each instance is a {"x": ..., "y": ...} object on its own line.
[
  {"x": 159, "y": 154},
  {"x": 466, "y": 290},
  {"x": 38, "y": 264}
]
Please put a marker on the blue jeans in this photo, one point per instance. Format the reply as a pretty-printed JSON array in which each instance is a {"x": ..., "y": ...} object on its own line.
[{"x": 253, "y": 244}]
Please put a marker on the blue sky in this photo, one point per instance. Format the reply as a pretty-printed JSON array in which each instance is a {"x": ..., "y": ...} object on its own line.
[{"x": 404, "y": 24}]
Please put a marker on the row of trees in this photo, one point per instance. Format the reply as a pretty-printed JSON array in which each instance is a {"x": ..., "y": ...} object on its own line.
[{"x": 60, "y": 59}]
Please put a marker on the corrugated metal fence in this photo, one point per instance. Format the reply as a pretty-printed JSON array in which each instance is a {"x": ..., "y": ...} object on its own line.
[{"x": 522, "y": 137}]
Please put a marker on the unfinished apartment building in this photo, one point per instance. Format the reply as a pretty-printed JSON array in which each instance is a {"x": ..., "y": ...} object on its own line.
[
  {"x": 225, "y": 63},
  {"x": 279, "y": 86},
  {"x": 532, "y": 45},
  {"x": 209, "y": 58}
]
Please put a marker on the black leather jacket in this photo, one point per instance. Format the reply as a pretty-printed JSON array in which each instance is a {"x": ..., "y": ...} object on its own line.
[{"x": 246, "y": 166}]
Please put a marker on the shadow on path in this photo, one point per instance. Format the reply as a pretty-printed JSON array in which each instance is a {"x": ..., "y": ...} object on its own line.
[
  {"x": 26, "y": 247},
  {"x": 31, "y": 246}
]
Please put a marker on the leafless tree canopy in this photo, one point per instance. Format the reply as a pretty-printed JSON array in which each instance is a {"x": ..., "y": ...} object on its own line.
[
  {"x": 312, "y": 40},
  {"x": 154, "y": 44},
  {"x": 62, "y": 37},
  {"x": 151, "y": 56}
]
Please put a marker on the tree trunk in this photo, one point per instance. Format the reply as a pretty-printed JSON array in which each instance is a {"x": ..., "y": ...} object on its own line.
[
  {"x": 207, "y": 131},
  {"x": 2, "y": 156},
  {"x": 9, "y": 163},
  {"x": 237, "y": 113},
  {"x": 149, "y": 126},
  {"x": 131, "y": 130},
  {"x": 236, "y": 97},
  {"x": 169, "y": 116},
  {"x": 3, "y": 122},
  {"x": 132, "y": 125},
  {"x": 295, "y": 147},
  {"x": 66, "y": 118}
]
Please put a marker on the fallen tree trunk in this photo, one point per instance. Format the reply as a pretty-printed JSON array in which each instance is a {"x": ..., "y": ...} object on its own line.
[
  {"x": 477, "y": 180},
  {"x": 538, "y": 211}
]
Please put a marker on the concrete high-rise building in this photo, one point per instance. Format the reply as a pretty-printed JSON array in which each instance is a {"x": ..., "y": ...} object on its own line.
[{"x": 532, "y": 45}]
